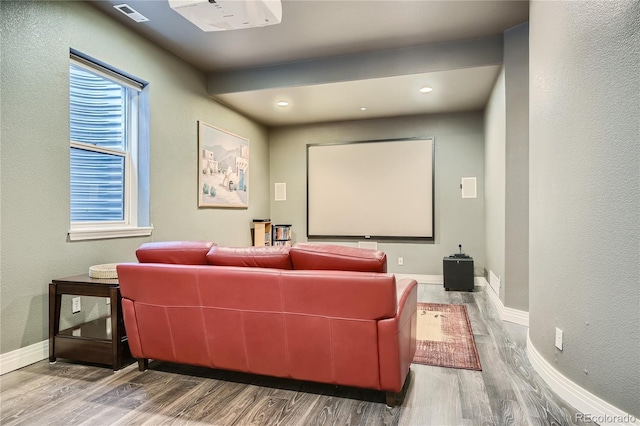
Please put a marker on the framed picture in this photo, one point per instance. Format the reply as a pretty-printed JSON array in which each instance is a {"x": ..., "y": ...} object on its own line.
[{"x": 223, "y": 168}]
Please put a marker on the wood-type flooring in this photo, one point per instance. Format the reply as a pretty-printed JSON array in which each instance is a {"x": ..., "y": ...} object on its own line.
[{"x": 506, "y": 392}]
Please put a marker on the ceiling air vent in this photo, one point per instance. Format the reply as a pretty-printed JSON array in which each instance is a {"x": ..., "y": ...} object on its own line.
[
  {"x": 221, "y": 15},
  {"x": 131, "y": 12}
]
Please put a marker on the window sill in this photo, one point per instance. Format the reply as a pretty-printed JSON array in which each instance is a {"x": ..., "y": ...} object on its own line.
[{"x": 106, "y": 233}]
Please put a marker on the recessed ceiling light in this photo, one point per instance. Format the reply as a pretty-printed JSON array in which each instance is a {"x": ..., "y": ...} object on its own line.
[
  {"x": 283, "y": 103},
  {"x": 425, "y": 89},
  {"x": 363, "y": 108}
]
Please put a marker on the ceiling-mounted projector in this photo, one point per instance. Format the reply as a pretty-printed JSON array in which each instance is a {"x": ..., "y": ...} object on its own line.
[{"x": 221, "y": 15}]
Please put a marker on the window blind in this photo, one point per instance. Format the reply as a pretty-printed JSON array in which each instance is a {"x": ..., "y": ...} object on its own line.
[{"x": 99, "y": 115}]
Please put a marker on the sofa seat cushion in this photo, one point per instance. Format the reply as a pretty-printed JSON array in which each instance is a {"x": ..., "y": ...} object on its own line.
[
  {"x": 175, "y": 252},
  {"x": 254, "y": 257},
  {"x": 339, "y": 258}
]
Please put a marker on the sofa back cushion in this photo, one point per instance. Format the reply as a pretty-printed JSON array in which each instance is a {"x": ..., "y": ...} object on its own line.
[
  {"x": 339, "y": 258},
  {"x": 254, "y": 257},
  {"x": 177, "y": 252}
]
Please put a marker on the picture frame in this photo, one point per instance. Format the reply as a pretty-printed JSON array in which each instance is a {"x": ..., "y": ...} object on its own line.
[{"x": 223, "y": 168}]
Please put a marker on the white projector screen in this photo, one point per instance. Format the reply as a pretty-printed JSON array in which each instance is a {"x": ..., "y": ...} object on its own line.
[{"x": 371, "y": 189}]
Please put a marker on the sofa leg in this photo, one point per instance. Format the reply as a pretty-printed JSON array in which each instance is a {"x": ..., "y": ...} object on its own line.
[
  {"x": 397, "y": 398},
  {"x": 391, "y": 398},
  {"x": 143, "y": 364}
]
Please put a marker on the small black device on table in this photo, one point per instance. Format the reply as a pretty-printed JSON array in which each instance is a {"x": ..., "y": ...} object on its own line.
[{"x": 458, "y": 272}]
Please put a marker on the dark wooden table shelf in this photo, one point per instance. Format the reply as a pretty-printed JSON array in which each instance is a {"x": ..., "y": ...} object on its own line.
[
  {"x": 98, "y": 329},
  {"x": 101, "y": 341}
]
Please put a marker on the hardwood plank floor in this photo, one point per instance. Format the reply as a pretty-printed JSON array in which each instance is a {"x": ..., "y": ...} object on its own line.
[{"x": 506, "y": 392}]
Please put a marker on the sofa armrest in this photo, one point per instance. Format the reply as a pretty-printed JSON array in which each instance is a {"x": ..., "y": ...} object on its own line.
[
  {"x": 397, "y": 337},
  {"x": 403, "y": 290}
]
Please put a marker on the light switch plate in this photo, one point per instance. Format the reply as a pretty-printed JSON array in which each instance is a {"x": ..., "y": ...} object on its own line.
[{"x": 559, "y": 335}]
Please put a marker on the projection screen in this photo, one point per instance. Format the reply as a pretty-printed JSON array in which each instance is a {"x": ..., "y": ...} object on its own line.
[{"x": 371, "y": 189}]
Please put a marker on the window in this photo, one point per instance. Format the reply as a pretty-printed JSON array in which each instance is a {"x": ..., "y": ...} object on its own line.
[{"x": 108, "y": 151}]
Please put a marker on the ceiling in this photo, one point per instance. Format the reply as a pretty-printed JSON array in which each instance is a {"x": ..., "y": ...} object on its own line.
[{"x": 329, "y": 59}]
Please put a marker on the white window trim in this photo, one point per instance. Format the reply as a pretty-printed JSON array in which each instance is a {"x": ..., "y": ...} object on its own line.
[{"x": 104, "y": 232}]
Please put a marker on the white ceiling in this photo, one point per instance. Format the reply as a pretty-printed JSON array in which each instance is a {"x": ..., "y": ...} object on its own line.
[{"x": 313, "y": 30}]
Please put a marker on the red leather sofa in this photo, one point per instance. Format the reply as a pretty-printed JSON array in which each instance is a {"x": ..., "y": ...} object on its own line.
[{"x": 312, "y": 312}]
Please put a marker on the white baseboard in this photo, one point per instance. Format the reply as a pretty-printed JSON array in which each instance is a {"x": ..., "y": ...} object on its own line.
[
  {"x": 506, "y": 314},
  {"x": 594, "y": 408},
  {"x": 22, "y": 357},
  {"x": 435, "y": 279},
  {"x": 423, "y": 279},
  {"x": 515, "y": 316}
]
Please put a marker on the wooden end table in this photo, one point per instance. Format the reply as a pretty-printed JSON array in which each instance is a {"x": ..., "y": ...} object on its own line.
[{"x": 101, "y": 341}]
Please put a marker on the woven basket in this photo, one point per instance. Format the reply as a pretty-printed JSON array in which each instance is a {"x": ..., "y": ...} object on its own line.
[{"x": 108, "y": 270}]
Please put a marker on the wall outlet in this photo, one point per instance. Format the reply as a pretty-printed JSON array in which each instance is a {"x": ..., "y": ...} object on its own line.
[
  {"x": 401, "y": 261},
  {"x": 75, "y": 305},
  {"x": 559, "y": 334}
]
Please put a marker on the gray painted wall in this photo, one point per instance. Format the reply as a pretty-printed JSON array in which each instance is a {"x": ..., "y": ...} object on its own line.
[
  {"x": 36, "y": 37},
  {"x": 585, "y": 193},
  {"x": 507, "y": 173},
  {"x": 458, "y": 153},
  {"x": 516, "y": 244},
  {"x": 494, "y": 177}
]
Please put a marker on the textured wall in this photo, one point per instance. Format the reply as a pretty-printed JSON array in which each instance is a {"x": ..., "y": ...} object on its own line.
[
  {"x": 585, "y": 193},
  {"x": 36, "y": 38},
  {"x": 506, "y": 172},
  {"x": 516, "y": 244},
  {"x": 494, "y": 178},
  {"x": 458, "y": 153}
]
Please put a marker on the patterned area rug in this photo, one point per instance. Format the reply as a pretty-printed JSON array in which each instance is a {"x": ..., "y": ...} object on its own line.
[{"x": 444, "y": 337}]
